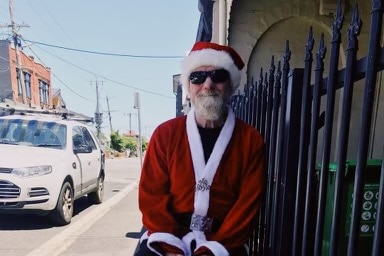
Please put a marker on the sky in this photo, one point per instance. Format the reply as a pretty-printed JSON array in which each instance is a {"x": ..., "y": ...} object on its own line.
[{"x": 122, "y": 46}]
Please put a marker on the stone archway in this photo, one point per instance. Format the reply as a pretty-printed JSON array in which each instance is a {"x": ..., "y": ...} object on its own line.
[{"x": 273, "y": 42}]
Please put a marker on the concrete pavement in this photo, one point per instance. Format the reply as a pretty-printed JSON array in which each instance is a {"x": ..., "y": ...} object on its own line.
[{"x": 113, "y": 227}]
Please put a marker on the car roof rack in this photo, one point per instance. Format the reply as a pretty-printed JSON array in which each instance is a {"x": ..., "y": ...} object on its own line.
[{"x": 5, "y": 111}]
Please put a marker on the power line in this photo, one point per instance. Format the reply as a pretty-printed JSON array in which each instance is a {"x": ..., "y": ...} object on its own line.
[
  {"x": 106, "y": 78},
  {"x": 106, "y": 53},
  {"x": 47, "y": 10},
  {"x": 17, "y": 41},
  {"x": 69, "y": 88},
  {"x": 58, "y": 79}
]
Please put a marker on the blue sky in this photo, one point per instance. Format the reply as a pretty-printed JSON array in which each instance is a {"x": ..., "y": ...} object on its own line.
[{"x": 118, "y": 27}]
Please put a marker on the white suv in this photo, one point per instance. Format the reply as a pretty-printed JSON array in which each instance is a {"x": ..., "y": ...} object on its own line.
[{"x": 46, "y": 163}]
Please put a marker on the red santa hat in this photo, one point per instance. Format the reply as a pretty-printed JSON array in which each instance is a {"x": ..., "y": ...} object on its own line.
[{"x": 212, "y": 54}]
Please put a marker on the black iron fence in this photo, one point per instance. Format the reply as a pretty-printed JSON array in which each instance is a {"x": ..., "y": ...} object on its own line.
[{"x": 314, "y": 207}]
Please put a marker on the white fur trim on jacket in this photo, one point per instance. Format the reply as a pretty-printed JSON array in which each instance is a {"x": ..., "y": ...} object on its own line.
[{"x": 206, "y": 172}]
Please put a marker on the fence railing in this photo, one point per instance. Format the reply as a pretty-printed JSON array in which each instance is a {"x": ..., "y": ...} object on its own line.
[{"x": 304, "y": 211}]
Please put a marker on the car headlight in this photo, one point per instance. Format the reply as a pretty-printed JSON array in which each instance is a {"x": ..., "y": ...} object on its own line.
[{"x": 32, "y": 171}]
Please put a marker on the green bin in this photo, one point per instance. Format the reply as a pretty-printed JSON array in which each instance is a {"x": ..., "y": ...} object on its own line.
[{"x": 368, "y": 212}]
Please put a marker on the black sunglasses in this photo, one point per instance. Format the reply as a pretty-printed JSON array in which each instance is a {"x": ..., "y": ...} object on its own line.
[{"x": 217, "y": 76}]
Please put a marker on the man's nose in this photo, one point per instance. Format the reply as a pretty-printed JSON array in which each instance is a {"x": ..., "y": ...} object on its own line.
[{"x": 209, "y": 84}]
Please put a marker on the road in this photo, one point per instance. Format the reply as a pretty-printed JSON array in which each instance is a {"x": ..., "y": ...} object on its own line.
[{"x": 111, "y": 228}]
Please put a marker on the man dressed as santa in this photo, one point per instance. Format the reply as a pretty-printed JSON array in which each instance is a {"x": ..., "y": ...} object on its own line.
[{"x": 203, "y": 174}]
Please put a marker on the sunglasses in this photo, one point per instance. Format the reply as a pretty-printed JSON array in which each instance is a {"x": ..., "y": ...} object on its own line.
[{"x": 217, "y": 76}]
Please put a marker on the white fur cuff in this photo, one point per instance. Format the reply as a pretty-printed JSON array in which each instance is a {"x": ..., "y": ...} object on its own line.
[
  {"x": 168, "y": 239},
  {"x": 215, "y": 247}
]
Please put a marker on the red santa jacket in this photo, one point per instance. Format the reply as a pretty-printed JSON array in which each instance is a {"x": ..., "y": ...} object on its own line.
[{"x": 175, "y": 181}]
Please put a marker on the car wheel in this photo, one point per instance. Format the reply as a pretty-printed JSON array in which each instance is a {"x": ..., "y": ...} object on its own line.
[
  {"x": 96, "y": 196},
  {"x": 62, "y": 214}
]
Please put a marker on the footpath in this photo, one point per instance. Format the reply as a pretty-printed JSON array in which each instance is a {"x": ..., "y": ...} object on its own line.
[{"x": 116, "y": 226}]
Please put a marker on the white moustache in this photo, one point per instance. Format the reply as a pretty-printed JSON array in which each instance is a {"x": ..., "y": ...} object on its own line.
[{"x": 208, "y": 94}]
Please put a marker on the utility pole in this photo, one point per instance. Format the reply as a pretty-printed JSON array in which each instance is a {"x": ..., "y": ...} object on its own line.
[
  {"x": 98, "y": 114},
  {"x": 109, "y": 115},
  {"x": 137, "y": 106},
  {"x": 16, "y": 36},
  {"x": 130, "y": 121}
]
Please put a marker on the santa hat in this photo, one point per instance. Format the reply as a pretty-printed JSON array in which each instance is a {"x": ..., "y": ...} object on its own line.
[{"x": 211, "y": 54}]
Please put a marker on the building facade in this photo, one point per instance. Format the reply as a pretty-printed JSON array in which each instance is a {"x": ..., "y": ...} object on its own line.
[
  {"x": 259, "y": 30},
  {"x": 327, "y": 105},
  {"x": 36, "y": 91}
]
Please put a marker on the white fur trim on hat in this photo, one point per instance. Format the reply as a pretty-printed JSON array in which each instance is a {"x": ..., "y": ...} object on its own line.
[{"x": 209, "y": 57}]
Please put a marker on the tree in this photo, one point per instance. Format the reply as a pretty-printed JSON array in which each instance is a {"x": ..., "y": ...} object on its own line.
[
  {"x": 117, "y": 142},
  {"x": 144, "y": 144},
  {"x": 121, "y": 143},
  {"x": 130, "y": 143}
]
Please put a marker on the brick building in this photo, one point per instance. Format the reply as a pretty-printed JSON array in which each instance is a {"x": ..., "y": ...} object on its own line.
[
  {"x": 39, "y": 94},
  {"x": 37, "y": 79}
]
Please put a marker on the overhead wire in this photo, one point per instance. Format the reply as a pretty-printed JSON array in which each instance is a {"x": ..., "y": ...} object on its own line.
[
  {"x": 107, "y": 53},
  {"x": 37, "y": 56},
  {"x": 64, "y": 32},
  {"x": 38, "y": 44},
  {"x": 69, "y": 88},
  {"x": 103, "y": 77},
  {"x": 48, "y": 25}
]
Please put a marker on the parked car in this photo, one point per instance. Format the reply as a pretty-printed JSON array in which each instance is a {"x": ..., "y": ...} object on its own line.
[{"x": 46, "y": 163}]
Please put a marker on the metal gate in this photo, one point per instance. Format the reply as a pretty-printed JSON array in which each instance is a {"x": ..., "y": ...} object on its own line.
[{"x": 285, "y": 107}]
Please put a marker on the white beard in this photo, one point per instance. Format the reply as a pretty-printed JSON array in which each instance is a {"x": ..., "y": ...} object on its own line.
[{"x": 209, "y": 106}]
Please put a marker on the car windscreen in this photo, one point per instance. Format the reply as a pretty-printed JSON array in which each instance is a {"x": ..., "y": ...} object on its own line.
[{"x": 33, "y": 133}]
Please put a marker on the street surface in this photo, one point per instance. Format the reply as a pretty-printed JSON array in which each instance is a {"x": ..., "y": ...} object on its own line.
[{"x": 111, "y": 228}]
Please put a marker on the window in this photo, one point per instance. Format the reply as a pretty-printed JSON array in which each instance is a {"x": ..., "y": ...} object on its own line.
[
  {"x": 20, "y": 90},
  {"x": 77, "y": 137},
  {"x": 89, "y": 139},
  {"x": 27, "y": 81},
  {"x": 44, "y": 92},
  {"x": 33, "y": 133},
  {"x": 81, "y": 136}
]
